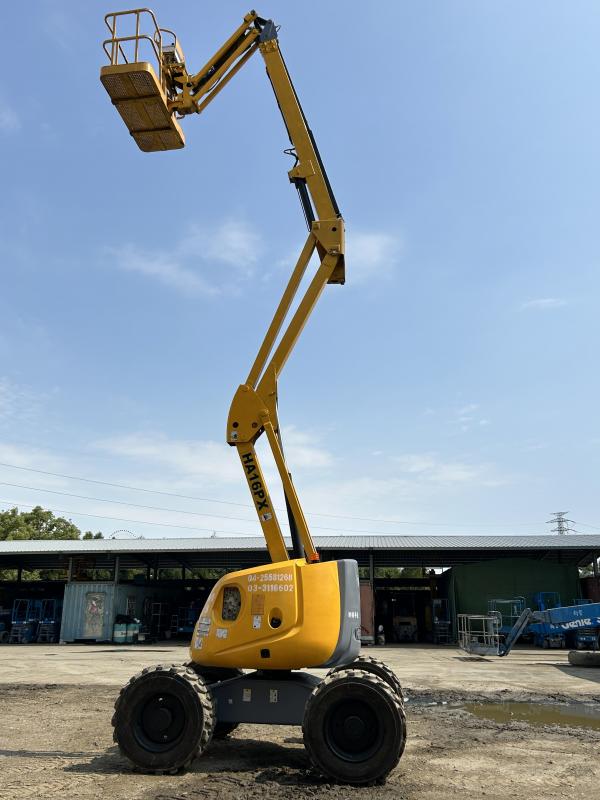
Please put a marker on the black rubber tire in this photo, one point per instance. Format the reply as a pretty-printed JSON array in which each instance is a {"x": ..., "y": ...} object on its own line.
[
  {"x": 376, "y": 667},
  {"x": 168, "y": 701},
  {"x": 212, "y": 675},
  {"x": 354, "y": 727}
]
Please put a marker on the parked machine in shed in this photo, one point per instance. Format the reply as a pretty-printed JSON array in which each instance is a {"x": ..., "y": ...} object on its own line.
[
  {"x": 561, "y": 621},
  {"x": 442, "y": 623},
  {"x": 294, "y": 613},
  {"x": 577, "y": 626},
  {"x": 50, "y": 619},
  {"x": 508, "y": 612},
  {"x": 25, "y": 620},
  {"x": 184, "y": 620},
  {"x": 5, "y": 617},
  {"x": 543, "y": 633}
]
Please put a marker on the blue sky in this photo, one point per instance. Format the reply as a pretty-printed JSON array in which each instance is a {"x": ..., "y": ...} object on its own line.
[{"x": 451, "y": 384}]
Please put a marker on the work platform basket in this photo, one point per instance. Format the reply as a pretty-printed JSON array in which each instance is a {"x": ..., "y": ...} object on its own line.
[
  {"x": 135, "y": 78},
  {"x": 479, "y": 634}
]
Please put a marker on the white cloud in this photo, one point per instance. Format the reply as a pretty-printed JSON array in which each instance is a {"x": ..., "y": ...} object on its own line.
[
  {"x": 371, "y": 254},
  {"x": 162, "y": 267},
  {"x": 150, "y": 462},
  {"x": 543, "y": 304},
  {"x": 467, "y": 416},
  {"x": 415, "y": 463},
  {"x": 429, "y": 467},
  {"x": 360, "y": 496},
  {"x": 415, "y": 486},
  {"x": 468, "y": 409},
  {"x": 233, "y": 242},
  {"x": 17, "y": 403},
  {"x": 190, "y": 266},
  {"x": 303, "y": 450},
  {"x": 194, "y": 460},
  {"x": 9, "y": 120},
  {"x": 28, "y": 456}
]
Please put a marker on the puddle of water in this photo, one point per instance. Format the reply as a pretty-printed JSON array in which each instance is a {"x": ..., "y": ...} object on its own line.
[{"x": 537, "y": 714}]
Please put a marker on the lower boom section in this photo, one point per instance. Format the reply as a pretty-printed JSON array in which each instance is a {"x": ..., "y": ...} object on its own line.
[{"x": 282, "y": 616}]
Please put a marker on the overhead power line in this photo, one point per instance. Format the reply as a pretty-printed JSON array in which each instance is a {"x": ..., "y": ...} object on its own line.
[
  {"x": 345, "y": 531},
  {"x": 351, "y": 531},
  {"x": 124, "y": 503},
  {"x": 246, "y": 505},
  {"x": 124, "y": 486},
  {"x": 162, "y": 508},
  {"x": 123, "y": 519},
  {"x": 588, "y": 525}
]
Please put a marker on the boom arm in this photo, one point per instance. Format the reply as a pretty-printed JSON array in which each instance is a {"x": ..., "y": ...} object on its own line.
[
  {"x": 177, "y": 93},
  {"x": 525, "y": 618},
  {"x": 561, "y": 618}
]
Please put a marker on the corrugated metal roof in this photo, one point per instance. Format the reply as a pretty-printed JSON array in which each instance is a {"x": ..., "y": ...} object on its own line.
[{"x": 239, "y": 543}]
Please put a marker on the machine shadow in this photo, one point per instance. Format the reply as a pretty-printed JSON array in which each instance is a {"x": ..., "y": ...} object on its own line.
[
  {"x": 234, "y": 755},
  {"x": 44, "y": 754},
  {"x": 584, "y": 673}
]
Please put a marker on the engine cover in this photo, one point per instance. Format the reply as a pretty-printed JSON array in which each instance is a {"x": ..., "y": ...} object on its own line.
[{"x": 281, "y": 616}]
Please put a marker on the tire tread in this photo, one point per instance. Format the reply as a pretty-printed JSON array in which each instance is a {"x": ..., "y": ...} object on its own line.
[
  {"x": 206, "y": 703},
  {"x": 364, "y": 663}
]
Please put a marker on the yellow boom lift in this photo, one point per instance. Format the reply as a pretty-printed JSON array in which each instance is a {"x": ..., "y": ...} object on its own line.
[{"x": 296, "y": 612}]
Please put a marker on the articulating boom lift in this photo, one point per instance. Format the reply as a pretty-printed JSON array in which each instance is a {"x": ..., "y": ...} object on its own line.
[{"x": 295, "y": 612}]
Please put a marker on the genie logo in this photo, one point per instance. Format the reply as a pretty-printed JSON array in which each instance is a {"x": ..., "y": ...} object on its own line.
[{"x": 576, "y": 623}]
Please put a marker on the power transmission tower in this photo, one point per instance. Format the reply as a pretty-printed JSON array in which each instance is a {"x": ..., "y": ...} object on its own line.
[{"x": 559, "y": 518}]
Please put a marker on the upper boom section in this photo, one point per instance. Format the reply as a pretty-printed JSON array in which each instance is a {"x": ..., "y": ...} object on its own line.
[{"x": 151, "y": 87}]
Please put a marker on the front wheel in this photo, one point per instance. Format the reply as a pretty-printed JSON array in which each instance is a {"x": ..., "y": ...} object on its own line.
[
  {"x": 163, "y": 718},
  {"x": 354, "y": 727}
]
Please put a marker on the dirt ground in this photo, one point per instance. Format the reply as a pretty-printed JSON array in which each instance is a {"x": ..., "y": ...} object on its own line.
[{"x": 56, "y": 741}]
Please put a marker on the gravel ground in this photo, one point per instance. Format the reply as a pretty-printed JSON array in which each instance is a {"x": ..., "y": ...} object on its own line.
[{"x": 55, "y": 741}]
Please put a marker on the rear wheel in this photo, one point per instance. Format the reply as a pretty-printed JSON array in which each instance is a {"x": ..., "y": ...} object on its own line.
[
  {"x": 212, "y": 675},
  {"x": 163, "y": 718},
  {"x": 354, "y": 727},
  {"x": 376, "y": 667}
]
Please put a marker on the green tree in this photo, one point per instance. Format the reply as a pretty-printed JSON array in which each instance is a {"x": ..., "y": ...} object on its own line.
[{"x": 37, "y": 524}]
